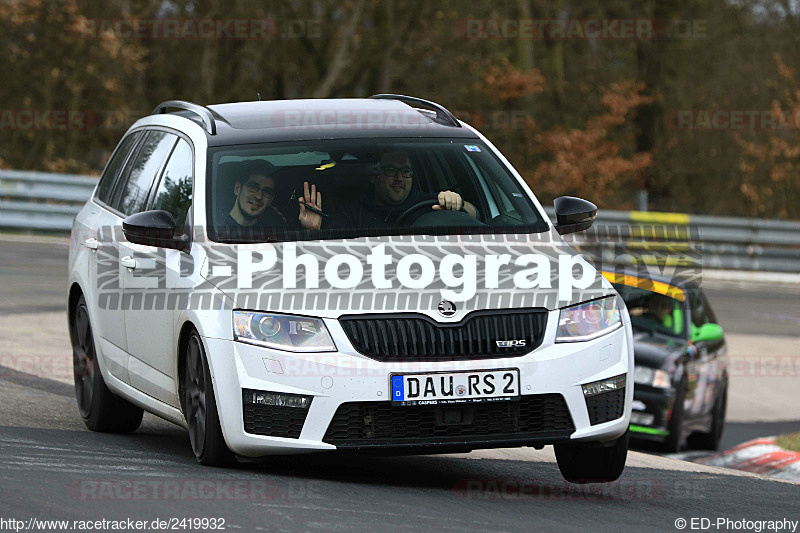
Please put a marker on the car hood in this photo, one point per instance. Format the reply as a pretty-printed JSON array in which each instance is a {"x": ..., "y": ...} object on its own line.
[
  {"x": 656, "y": 349},
  {"x": 403, "y": 274}
]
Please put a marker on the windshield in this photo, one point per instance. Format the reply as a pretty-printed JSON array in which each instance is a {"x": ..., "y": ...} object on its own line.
[
  {"x": 333, "y": 189},
  {"x": 652, "y": 311}
]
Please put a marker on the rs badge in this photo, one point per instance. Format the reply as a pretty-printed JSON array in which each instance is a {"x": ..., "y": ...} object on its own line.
[{"x": 511, "y": 344}]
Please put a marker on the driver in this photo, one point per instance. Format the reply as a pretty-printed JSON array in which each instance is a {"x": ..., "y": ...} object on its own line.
[
  {"x": 391, "y": 195},
  {"x": 663, "y": 310}
]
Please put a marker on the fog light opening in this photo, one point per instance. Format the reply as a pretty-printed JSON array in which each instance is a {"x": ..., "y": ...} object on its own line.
[
  {"x": 604, "y": 385},
  {"x": 277, "y": 399}
]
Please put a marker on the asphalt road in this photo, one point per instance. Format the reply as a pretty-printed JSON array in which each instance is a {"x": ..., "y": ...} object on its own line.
[
  {"x": 33, "y": 276},
  {"x": 53, "y": 468},
  {"x": 756, "y": 309}
]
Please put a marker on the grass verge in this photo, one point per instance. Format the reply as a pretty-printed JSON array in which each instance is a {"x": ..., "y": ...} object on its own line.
[{"x": 790, "y": 441}]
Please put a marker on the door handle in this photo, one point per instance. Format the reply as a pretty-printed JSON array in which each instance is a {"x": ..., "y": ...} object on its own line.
[
  {"x": 128, "y": 262},
  {"x": 91, "y": 243}
]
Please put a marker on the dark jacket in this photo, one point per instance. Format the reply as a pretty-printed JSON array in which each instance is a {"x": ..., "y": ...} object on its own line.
[{"x": 365, "y": 213}]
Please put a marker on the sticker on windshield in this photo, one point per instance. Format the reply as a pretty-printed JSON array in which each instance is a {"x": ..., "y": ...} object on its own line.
[{"x": 472, "y": 148}]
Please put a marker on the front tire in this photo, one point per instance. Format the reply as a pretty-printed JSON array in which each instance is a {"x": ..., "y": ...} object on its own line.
[
  {"x": 205, "y": 432},
  {"x": 585, "y": 463},
  {"x": 712, "y": 439},
  {"x": 100, "y": 409},
  {"x": 673, "y": 442}
]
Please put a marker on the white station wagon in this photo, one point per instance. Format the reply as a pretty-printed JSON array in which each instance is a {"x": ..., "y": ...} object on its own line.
[{"x": 351, "y": 274}]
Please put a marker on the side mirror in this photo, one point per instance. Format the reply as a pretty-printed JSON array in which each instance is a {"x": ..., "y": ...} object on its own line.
[
  {"x": 708, "y": 333},
  {"x": 153, "y": 228},
  {"x": 573, "y": 214}
]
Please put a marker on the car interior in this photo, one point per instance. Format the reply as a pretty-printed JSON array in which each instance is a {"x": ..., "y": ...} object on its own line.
[{"x": 343, "y": 176}]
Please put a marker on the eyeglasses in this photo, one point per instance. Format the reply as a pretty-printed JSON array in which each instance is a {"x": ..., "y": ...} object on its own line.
[
  {"x": 406, "y": 172},
  {"x": 253, "y": 188}
]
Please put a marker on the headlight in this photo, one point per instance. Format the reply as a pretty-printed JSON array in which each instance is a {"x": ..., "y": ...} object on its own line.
[
  {"x": 651, "y": 377},
  {"x": 588, "y": 321},
  {"x": 283, "y": 332}
]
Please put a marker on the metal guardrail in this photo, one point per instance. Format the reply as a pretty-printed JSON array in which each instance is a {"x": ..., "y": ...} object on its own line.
[
  {"x": 42, "y": 201},
  {"x": 636, "y": 237}
]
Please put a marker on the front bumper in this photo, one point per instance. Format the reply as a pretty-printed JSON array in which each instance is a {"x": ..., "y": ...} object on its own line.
[
  {"x": 338, "y": 379},
  {"x": 651, "y": 411}
]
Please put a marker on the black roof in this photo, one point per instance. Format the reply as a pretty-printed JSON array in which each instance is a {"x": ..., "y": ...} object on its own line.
[{"x": 310, "y": 119}]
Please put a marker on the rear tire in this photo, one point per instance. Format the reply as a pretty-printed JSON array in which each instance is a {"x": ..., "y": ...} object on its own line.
[
  {"x": 100, "y": 409},
  {"x": 712, "y": 439},
  {"x": 205, "y": 432},
  {"x": 583, "y": 463}
]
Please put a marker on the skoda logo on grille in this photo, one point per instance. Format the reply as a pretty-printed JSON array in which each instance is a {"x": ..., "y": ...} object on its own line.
[{"x": 447, "y": 309}]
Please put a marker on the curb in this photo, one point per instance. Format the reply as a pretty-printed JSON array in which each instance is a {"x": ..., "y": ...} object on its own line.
[{"x": 760, "y": 456}]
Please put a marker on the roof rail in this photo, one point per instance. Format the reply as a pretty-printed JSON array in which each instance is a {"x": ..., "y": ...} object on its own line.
[
  {"x": 204, "y": 113},
  {"x": 442, "y": 114}
]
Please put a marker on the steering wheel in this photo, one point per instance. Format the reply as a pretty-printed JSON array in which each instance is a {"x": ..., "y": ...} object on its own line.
[{"x": 419, "y": 205}]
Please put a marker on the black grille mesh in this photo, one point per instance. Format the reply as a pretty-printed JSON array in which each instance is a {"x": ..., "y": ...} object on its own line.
[
  {"x": 606, "y": 406},
  {"x": 274, "y": 421},
  {"x": 414, "y": 337},
  {"x": 385, "y": 424}
]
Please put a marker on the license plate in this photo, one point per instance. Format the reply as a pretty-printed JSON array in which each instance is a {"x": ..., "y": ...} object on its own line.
[{"x": 454, "y": 387}]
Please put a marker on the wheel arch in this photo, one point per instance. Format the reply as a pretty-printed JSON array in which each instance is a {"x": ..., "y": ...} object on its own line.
[
  {"x": 75, "y": 293},
  {"x": 183, "y": 339}
]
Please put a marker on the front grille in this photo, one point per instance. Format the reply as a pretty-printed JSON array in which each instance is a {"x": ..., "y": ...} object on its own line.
[
  {"x": 273, "y": 420},
  {"x": 384, "y": 424},
  {"x": 417, "y": 337},
  {"x": 606, "y": 406}
]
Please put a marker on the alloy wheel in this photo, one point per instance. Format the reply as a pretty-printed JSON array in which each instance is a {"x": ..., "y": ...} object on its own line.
[
  {"x": 196, "y": 395},
  {"x": 83, "y": 360}
]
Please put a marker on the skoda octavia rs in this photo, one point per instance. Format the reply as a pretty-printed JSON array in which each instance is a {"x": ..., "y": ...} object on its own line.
[{"x": 353, "y": 274}]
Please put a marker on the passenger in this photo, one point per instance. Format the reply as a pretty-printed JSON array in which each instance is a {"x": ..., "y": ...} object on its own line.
[
  {"x": 391, "y": 195},
  {"x": 254, "y": 190}
]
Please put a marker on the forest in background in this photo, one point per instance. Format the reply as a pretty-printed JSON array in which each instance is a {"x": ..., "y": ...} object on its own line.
[{"x": 601, "y": 118}]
